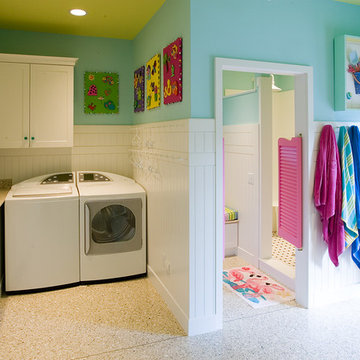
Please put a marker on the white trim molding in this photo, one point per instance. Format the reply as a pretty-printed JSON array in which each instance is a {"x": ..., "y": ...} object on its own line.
[
  {"x": 35, "y": 59},
  {"x": 303, "y": 123}
]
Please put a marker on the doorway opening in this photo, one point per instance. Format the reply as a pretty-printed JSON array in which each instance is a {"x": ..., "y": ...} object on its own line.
[
  {"x": 256, "y": 171},
  {"x": 243, "y": 112}
]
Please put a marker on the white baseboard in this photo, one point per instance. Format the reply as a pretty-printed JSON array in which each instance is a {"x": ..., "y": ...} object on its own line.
[
  {"x": 249, "y": 258},
  {"x": 232, "y": 251},
  {"x": 279, "y": 271},
  {"x": 191, "y": 326},
  {"x": 205, "y": 325},
  {"x": 333, "y": 296},
  {"x": 169, "y": 299}
]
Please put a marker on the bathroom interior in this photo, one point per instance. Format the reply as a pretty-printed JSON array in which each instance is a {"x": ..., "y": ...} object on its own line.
[{"x": 243, "y": 167}]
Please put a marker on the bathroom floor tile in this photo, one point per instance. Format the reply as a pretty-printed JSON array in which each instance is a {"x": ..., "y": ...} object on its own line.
[{"x": 283, "y": 250}]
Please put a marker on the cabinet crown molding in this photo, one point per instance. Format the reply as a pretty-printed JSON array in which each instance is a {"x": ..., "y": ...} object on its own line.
[{"x": 35, "y": 59}]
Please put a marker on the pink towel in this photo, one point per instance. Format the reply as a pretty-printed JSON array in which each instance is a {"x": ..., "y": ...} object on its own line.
[{"x": 328, "y": 193}]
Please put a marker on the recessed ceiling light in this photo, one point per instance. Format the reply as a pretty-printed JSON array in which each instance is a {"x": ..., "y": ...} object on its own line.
[{"x": 78, "y": 12}]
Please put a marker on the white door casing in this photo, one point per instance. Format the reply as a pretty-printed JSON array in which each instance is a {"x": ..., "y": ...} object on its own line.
[{"x": 303, "y": 120}]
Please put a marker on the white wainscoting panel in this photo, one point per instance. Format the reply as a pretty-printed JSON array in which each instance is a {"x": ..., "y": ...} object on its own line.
[
  {"x": 205, "y": 313},
  {"x": 160, "y": 164},
  {"x": 22, "y": 164},
  {"x": 174, "y": 161},
  {"x": 103, "y": 148},
  {"x": 328, "y": 283},
  {"x": 242, "y": 185},
  {"x": 96, "y": 147}
]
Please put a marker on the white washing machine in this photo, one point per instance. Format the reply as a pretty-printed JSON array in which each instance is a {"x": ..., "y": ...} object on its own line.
[
  {"x": 112, "y": 226},
  {"x": 42, "y": 233}
]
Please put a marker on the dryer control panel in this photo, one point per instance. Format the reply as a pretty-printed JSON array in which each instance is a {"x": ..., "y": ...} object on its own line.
[
  {"x": 59, "y": 178},
  {"x": 91, "y": 177}
]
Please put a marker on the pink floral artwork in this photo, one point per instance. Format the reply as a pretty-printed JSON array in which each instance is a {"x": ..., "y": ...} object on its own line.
[{"x": 172, "y": 65}]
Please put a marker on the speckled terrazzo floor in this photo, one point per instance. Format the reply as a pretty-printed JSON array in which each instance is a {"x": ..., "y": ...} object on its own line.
[
  {"x": 129, "y": 321},
  {"x": 76, "y": 322}
]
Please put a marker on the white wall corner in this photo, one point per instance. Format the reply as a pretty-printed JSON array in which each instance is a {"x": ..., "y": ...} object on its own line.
[
  {"x": 160, "y": 164},
  {"x": 205, "y": 313},
  {"x": 174, "y": 307}
]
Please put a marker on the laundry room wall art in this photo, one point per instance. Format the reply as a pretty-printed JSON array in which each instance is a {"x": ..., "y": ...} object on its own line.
[
  {"x": 153, "y": 94},
  {"x": 139, "y": 89},
  {"x": 101, "y": 93},
  {"x": 172, "y": 61}
]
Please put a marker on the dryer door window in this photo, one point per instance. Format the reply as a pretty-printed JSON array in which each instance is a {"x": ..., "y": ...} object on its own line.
[
  {"x": 113, "y": 226},
  {"x": 113, "y": 223}
]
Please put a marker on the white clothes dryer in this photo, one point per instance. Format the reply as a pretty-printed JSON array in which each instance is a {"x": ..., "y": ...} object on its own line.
[
  {"x": 42, "y": 233},
  {"x": 112, "y": 226}
]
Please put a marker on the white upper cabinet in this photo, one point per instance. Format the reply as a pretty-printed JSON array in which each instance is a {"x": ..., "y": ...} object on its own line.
[
  {"x": 36, "y": 101},
  {"x": 51, "y": 106},
  {"x": 14, "y": 105}
]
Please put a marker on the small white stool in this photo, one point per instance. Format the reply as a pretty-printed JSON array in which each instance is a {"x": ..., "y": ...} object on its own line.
[{"x": 231, "y": 237}]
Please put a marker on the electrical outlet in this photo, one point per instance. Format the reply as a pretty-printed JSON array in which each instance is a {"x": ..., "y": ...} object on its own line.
[
  {"x": 251, "y": 178},
  {"x": 168, "y": 267}
]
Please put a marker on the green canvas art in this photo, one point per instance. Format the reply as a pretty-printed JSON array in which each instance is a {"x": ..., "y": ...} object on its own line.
[{"x": 101, "y": 93}]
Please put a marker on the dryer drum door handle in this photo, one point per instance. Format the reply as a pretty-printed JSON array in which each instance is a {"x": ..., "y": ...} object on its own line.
[{"x": 86, "y": 230}]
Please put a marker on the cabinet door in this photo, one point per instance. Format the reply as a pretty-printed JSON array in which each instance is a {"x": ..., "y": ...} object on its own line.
[
  {"x": 51, "y": 106},
  {"x": 14, "y": 105}
]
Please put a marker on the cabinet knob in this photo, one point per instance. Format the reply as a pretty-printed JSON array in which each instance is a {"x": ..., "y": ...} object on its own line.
[
  {"x": 32, "y": 138},
  {"x": 25, "y": 137}
]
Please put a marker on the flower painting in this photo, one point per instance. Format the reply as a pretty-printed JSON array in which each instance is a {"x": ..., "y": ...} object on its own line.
[
  {"x": 354, "y": 70},
  {"x": 139, "y": 89},
  {"x": 152, "y": 73},
  {"x": 101, "y": 93},
  {"x": 172, "y": 61}
]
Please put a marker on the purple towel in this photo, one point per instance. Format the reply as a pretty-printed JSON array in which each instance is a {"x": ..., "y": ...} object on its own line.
[{"x": 328, "y": 193}]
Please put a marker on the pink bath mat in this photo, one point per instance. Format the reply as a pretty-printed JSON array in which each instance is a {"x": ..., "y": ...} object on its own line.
[{"x": 256, "y": 288}]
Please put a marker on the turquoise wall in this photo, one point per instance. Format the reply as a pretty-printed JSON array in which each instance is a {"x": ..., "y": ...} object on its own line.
[
  {"x": 294, "y": 32},
  {"x": 238, "y": 80},
  {"x": 241, "y": 109},
  {"x": 285, "y": 83},
  {"x": 169, "y": 23},
  {"x": 245, "y": 81},
  {"x": 95, "y": 54}
]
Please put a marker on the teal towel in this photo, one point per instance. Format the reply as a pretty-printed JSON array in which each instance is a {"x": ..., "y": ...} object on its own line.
[
  {"x": 348, "y": 213},
  {"x": 354, "y": 135}
]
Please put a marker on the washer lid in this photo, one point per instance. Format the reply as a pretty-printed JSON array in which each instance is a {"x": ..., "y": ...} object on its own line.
[{"x": 44, "y": 191}]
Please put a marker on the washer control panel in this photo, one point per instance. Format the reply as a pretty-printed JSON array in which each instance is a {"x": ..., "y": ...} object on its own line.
[
  {"x": 64, "y": 178},
  {"x": 91, "y": 177}
]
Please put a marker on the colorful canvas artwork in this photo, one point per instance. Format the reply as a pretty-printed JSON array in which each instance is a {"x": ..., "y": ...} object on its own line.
[
  {"x": 153, "y": 94},
  {"x": 101, "y": 93},
  {"x": 139, "y": 89},
  {"x": 172, "y": 61}
]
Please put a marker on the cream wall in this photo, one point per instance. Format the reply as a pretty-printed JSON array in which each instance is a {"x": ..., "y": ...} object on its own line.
[{"x": 283, "y": 125}]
